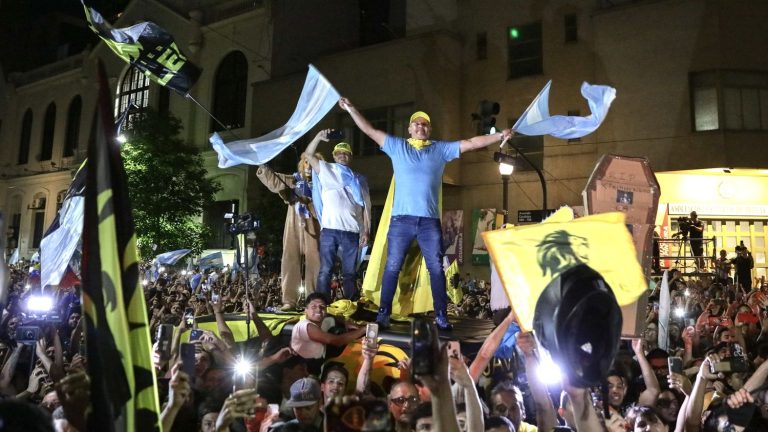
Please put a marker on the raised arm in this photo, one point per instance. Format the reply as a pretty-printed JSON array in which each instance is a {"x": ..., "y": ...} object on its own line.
[
  {"x": 309, "y": 153},
  {"x": 318, "y": 335},
  {"x": 484, "y": 140},
  {"x": 546, "y": 419},
  {"x": 652, "y": 387},
  {"x": 489, "y": 347},
  {"x": 376, "y": 135}
]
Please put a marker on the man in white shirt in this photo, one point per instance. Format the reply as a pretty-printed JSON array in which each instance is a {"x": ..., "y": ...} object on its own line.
[{"x": 343, "y": 205}]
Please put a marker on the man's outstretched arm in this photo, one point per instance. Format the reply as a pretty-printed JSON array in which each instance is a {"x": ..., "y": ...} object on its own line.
[
  {"x": 376, "y": 135},
  {"x": 484, "y": 140},
  {"x": 309, "y": 153}
]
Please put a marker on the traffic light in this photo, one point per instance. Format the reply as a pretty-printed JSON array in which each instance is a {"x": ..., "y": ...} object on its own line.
[{"x": 488, "y": 109}]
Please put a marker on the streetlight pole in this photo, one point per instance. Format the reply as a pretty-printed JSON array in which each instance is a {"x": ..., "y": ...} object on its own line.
[{"x": 505, "y": 170}]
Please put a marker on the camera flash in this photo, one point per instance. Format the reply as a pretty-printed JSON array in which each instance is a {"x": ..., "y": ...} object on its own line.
[{"x": 679, "y": 312}]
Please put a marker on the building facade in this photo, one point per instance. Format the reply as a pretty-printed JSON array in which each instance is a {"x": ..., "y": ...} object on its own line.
[{"x": 692, "y": 94}]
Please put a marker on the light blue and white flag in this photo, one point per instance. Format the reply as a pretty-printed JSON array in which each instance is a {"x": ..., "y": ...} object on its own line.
[
  {"x": 665, "y": 308},
  {"x": 211, "y": 260},
  {"x": 35, "y": 258},
  {"x": 172, "y": 257},
  {"x": 14, "y": 259},
  {"x": 537, "y": 121},
  {"x": 317, "y": 98},
  {"x": 60, "y": 243}
]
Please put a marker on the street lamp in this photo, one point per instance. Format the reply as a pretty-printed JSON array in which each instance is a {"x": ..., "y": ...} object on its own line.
[
  {"x": 504, "y": 158},
  {"x": 505, "y": 170}
]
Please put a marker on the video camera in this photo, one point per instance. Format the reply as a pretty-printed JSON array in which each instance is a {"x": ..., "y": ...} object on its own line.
[
  {"x": 684, "y": 225},
  {"x": 240, "y": 224}
]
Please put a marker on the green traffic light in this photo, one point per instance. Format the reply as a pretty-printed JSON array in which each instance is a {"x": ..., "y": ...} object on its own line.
[{"x": 514, "y": 33}]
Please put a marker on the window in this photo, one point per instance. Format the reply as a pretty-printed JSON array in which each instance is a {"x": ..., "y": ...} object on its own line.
[
  {"x": 26, "y": 135},
  {"x": 60, "y": 199},
  {"x": 525, "y": 50},
  {"x": 730, "y": 100},
  {"x": 482, "y": 46},
  {"x": 381, "y": 21},
  {"x": 229, "y": 92},
  {"x": 49, "y": 127},
  {"x": 38, "y": 222},
  {"x": 133, "y": 90},
  {"x": 571, "y": 26},
  {"x": 73, "y": 126},
  {"x": 391, "y": 119}
]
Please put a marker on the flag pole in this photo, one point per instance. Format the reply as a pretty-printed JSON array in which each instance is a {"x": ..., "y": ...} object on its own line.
[{"x": 226, "y": 128}]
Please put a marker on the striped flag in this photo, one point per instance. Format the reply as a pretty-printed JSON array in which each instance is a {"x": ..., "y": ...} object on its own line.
[
  {"x": 172, "y": 257},
  {"x": 211, "y": 260},
  {"x": 317, "y": 98},
  {"x": 665, "y": 309},
  {"x": 123, "y": 383},
  {"x": 537, "y": 121},
  {"x": 149, "y": 48},
  {"x": 62, "y": 237}
]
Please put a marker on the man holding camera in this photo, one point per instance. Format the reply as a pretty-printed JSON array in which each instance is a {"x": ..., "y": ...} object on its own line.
[
  {"x": 343, "y": 206},
  {"x": 696, "y": 234},
  {"x": 418, "y": 165}
]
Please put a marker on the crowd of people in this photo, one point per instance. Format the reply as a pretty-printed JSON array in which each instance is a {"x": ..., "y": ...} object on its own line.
[
  {"x": 699, "y": 364},
  {"x": 708, "y": 374}
]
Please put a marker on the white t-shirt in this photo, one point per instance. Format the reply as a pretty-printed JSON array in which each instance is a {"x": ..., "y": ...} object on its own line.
[
  {"x": 302, "y": 344},
  {"x": 340, "y": 211}
]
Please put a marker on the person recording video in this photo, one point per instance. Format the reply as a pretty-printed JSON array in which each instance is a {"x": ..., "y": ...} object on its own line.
[
  {"x": 743, "y": 263},
  {"x": 696, "y": 234}
]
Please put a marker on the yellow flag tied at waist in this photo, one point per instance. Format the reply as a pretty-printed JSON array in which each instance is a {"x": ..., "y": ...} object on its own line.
[{"x": 529, "y": 257}]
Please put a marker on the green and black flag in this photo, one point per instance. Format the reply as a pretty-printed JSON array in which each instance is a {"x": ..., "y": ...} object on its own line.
[
  {"x": 123, "y": 383},
  {"x": 149, "y": 48}
]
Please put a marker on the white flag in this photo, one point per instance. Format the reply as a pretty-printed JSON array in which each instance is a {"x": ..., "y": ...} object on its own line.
[
  {"x": 317, "y": 98},
  {"x": 664, "y": 311}
]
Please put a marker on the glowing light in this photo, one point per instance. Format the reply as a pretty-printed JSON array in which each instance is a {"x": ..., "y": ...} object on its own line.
[
  {"x": 301, "y": 289},
  {"x": 506, "y": 169},
  {"x": 161, "y": 269},
  {"x": 39, "y": 304},
  {"x": 121, "y": 139},
  {"x": 27, "y": 286},
  {"x": 183, "y": 272},
  {"x": 514, "y": 33},
  {"x": 549, "y": 372},
  {"x": 687, "y": 293},
  {"x": 243, "y": 367},
  {"x": 145, "y": 282},
  {"x": 679, "y": 312}
]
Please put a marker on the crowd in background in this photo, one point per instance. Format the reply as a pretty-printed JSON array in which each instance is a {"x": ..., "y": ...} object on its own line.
[{"x": 709, "y": 374}]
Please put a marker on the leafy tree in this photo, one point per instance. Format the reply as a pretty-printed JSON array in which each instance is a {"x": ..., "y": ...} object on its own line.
[{"x": 167, "y": 185}]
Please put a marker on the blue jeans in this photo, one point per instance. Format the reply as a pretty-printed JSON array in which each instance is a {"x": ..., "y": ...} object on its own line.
[
  {"x": 331, "y": 241},
  {"x": 402, "y": 231}
]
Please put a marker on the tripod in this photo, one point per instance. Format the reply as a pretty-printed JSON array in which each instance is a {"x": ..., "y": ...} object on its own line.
[{"x": 685, "y": 252}]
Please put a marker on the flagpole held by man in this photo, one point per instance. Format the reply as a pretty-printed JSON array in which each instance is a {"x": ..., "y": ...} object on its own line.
[{"x": 418, "y": 165}]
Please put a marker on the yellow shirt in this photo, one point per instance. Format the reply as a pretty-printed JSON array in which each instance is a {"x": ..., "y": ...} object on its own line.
[{"x": 525, "y": 427}]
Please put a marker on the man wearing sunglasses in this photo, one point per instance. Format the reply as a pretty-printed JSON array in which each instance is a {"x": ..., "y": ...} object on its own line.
[
  {"x": 418, "y": 164},
  {"x": 403, "y": 400}
]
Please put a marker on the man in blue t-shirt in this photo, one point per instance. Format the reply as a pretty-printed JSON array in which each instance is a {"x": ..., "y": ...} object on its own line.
[{"x": 418, "y": 163}]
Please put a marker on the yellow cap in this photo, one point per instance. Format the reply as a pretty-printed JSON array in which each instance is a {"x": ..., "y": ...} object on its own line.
[
  {"x": 421, "y": 114},
  {"x": 343, "y": 148}
]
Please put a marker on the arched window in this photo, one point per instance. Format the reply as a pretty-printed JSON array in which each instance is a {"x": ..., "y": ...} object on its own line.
[
  {"x": 26, "y": 135},
  {"x": 49, "y": 127},
  {"x": 229, "y": 91},
  {"x": 134, "y": 89},
  {"x": 38, "y": 219},
  {"x": 73, "y": 126}
]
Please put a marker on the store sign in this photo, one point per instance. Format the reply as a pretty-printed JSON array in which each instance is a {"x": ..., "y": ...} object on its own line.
[{"x": 719, "y": 209}]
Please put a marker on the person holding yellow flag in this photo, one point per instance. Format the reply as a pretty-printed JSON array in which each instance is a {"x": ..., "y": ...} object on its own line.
[{"x": 418, "y": 165}]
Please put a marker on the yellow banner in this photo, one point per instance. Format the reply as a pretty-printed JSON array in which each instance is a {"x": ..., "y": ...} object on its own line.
[{"x": 528, "y": 257}]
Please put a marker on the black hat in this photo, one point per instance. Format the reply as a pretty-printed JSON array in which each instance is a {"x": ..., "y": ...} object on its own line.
[{"x": 578, "y": 319}]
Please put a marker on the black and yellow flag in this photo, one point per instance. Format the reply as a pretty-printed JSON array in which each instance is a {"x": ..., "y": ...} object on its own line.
[
  {"x": 123, "y": 384},
  {"x": 149, "y": 48}
]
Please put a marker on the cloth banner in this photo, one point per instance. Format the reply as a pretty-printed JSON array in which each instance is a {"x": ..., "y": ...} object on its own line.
[
  {"x": 172, "y": 257},
  {"x": 317, "y": 98},
  {"x": 537, "y": 121},
  {"x": 414, "y": 293},
  {"x": 211, "y": 260},
  {"x": 123, "y": 383},
  {"x": 528, "y": 257},
  {"x": 665, "y": 307},
  {"x": 150, "y": 49}
]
